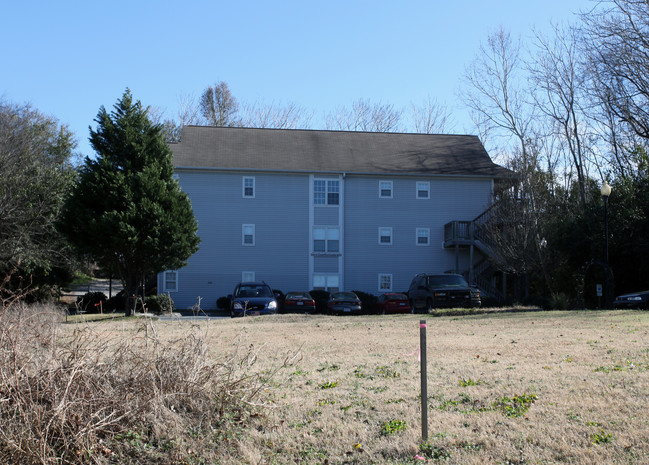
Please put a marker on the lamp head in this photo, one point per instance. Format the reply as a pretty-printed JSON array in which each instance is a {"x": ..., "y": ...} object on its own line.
[{"x": 605, "y": 190}]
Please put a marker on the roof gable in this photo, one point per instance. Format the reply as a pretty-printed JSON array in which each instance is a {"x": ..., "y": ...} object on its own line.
[{"x": 333, "y": 151}]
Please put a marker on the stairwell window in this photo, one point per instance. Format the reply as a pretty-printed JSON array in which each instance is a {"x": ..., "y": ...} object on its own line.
[
  {"x": 423, "y": 190},
  {"x": 385, "y": 236},
  {"x": 326, "y": 192},
  {"x": 326, "y": 240},
  {"x": 248, "y": 234},
  {"x": 423, "y": 236},
  {"x": 326, "y": 282}
]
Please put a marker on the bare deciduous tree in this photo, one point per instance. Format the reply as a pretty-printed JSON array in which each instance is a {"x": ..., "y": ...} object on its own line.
[
  {"x": 218, "y": 106},
  {"x": 365, "y": 116},
  {"x": 430, "y": 117},
  {"x": 493, "y": 94},
  {"x": 560, "y": 84},
  {"x": 271, "y": 115},
  {"x": 35, "y": 175},
  {"x": 617, "y": 43}
]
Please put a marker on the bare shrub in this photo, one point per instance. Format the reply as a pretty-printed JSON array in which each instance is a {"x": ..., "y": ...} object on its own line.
[{"x": 76, "y": 397}]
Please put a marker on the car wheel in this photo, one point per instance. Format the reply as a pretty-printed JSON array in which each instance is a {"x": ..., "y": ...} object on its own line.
[
  {"x": 413, "y": 310},
  {"x": 383, "y": 310},
  {"x": 429, "y": 305}
]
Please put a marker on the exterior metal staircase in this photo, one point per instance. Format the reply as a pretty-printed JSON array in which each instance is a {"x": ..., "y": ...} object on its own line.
[{"x": 475, "y": 235}]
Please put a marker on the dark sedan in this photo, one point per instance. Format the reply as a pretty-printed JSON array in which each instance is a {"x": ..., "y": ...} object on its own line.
[
  {"x": 633, "y": 300},
  {"x": 299, "y": 302},
  {"x": 344, "y": 302},
  {"x": 392, "y": 302},
  {"x": 252, "y": 299}
]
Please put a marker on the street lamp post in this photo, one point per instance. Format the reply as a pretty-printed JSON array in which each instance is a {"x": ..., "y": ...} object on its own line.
[{"x": 606, "y": 191}]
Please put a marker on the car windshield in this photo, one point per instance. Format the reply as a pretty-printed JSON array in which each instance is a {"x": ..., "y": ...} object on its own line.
[
  {"x": 254, "y": 291},
  {"x": 447, "y": 281},
  {"x": 344, "y": 296},
  {"x": 396, "y": 297}
]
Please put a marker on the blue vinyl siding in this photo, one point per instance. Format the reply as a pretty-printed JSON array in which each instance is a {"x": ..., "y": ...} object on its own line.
[
  {"x": 364, "y": 259},
  {"x": 279, "y": 212},
  {"x": 284, "y": 216}
]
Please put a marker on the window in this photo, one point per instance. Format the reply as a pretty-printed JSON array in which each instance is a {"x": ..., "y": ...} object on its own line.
[
  {"x": 249, "y": 187},
  {"x": 326, "y": 192},
  {"x": 385, "y": 282},
  {"x": 423, "y": 190},
  {"x": 326, "y": 240},
  {"x": 247, "y": 276},
  {"x": 385, "y": 189},
  {"x": 423, "y": 236},
  {"x": 170, "y": 281},
  {"x": 326, "y": 282},
  {"x": 248, "y": 234},
  {"x": 385, "y": 236}
]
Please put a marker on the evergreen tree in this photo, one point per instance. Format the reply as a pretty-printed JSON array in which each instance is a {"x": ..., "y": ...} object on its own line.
[{"x": 127, "y": 212}]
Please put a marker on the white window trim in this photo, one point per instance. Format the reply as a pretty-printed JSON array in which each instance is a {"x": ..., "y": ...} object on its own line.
[
  {"x": 245, "y": 279},
  {"x": 381, "y": 196},
  {"x": 243, "y": 187},
  {"x": 388, "y": 229},
  {"x": 164, "y": 281},
  {"x": 427, "y": 230},
  {"x": 427, "y": 184},
  {"x": 381, "y": 276},
  {"x": 243, "y": 235}
]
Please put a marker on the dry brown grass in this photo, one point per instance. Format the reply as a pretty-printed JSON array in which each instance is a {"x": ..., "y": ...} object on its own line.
[{"x": 318, "y": 390}]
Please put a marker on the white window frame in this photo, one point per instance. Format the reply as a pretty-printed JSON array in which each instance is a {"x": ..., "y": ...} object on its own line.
[
  {"x": 243, "y": 235},
  {"x": 388, "y": 186},
  {"x": 383, "y": 278},
  {"x": 328, "y": 281},
  {"x": 244, "y": 186},
  {"x": 425, "y": 188},
  {"x": 248, "y": 276},
  {"x": 165, "y": 287},
  {"x": 422, "y": 232},
  {"x": 328, "y": 192},
  {"x": 382, "y": 230}
]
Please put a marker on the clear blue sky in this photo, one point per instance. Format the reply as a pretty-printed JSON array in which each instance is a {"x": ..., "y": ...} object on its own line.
[{"x": 68, "y": 58}]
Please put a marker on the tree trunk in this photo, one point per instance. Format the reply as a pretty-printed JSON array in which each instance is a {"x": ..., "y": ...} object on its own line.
[{"x": 130, "y": 290}]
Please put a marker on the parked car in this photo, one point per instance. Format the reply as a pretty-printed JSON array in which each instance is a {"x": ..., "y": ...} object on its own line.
[
  {"x": 633, "y": 300},
  {"x": 252, "y": 298},
  {"x": 343, "y": 302},
  {"x": 298, "y": 302},
  {"x": 392, "y": 302},
  {"x": 428, "y": 291}
]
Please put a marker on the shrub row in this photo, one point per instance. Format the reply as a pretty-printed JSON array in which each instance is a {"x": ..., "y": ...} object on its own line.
[{"x": 94, "y": 302}]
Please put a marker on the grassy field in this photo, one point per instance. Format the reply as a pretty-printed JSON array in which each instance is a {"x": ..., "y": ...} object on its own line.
[{"x": 503, "y": 388}]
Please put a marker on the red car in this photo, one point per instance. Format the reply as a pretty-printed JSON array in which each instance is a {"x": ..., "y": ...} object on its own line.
[
  {"x": 392, "y": 302},
  {"x": 299, "y": 302}
]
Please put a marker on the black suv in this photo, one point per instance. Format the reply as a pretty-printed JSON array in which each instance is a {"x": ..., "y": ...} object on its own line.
[
  {"x": 252, "y": 299},
  {"x": 428, "y": 291}
]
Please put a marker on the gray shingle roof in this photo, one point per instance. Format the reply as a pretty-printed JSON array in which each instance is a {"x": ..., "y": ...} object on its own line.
[{"x": 333, "y": 151}]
